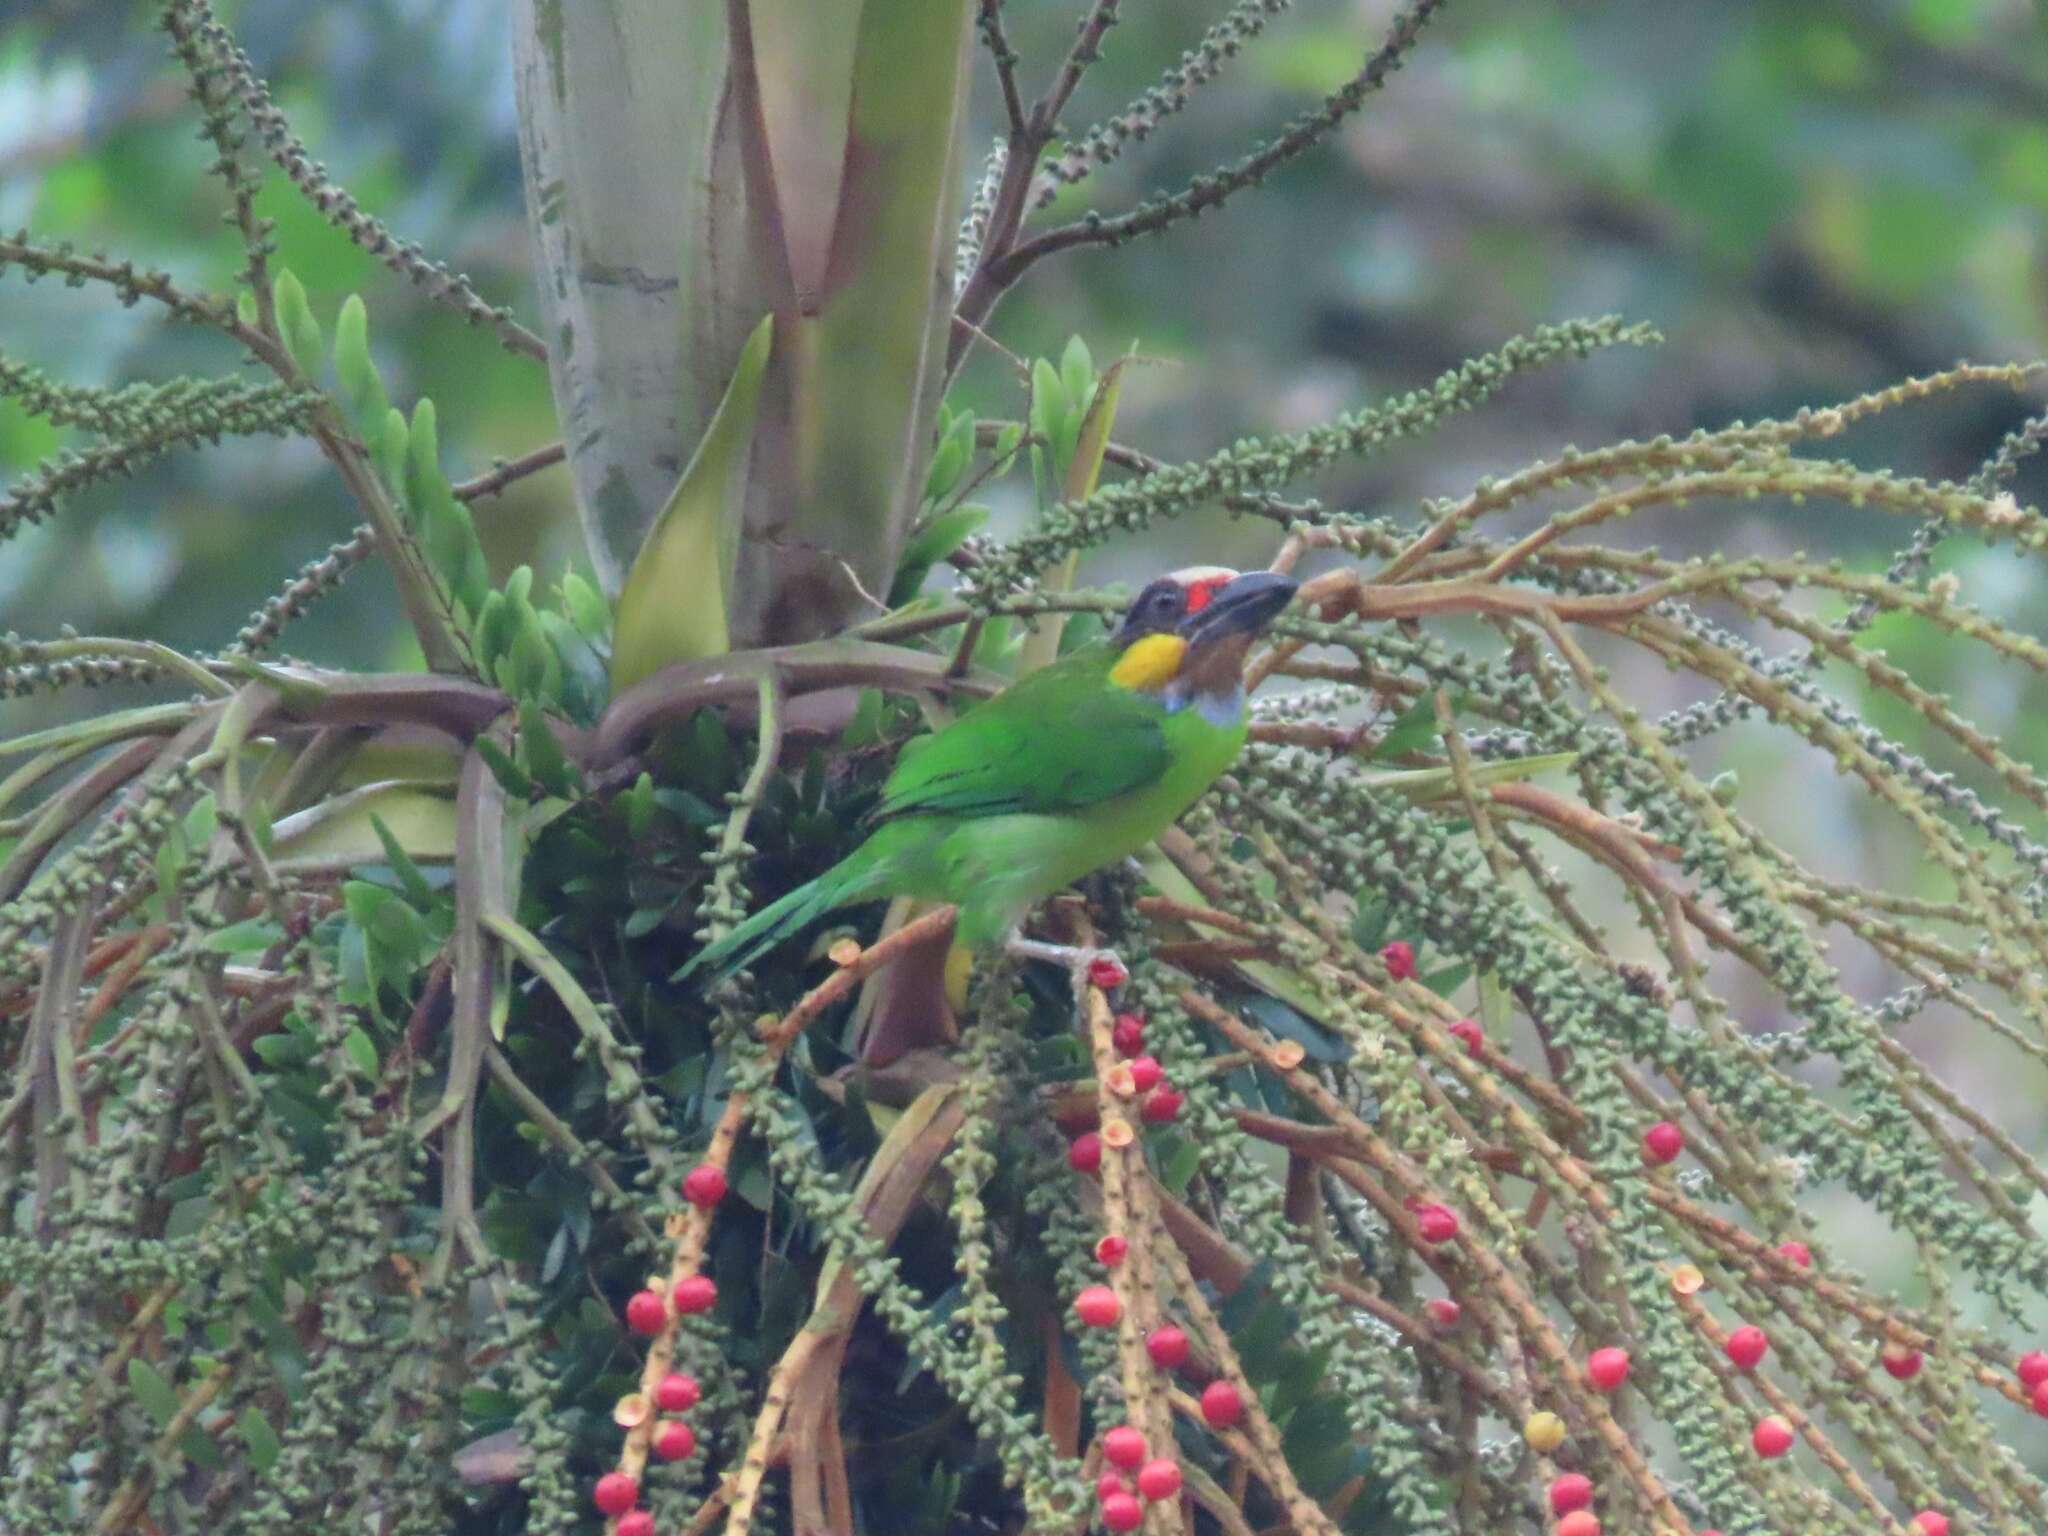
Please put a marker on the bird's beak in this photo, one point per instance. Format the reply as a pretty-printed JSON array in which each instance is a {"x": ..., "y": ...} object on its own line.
[{"x": 1243, "y": 606}]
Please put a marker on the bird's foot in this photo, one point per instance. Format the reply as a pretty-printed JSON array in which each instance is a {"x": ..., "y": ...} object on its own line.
[{"x": 1085, "y": 967}]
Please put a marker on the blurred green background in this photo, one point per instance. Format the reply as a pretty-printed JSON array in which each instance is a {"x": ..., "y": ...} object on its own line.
[{"x": 1810, "y": 198}]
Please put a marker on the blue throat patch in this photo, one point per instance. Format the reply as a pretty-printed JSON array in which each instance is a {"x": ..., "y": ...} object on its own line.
[{"x": 1216, "y": 708}]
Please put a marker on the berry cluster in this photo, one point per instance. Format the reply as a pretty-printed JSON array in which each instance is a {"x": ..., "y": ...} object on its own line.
[
  {"x": 649, "y": 1312},
  {"x": 1133, "y": 1477},
  {"x": 1159, "y": 1101}
]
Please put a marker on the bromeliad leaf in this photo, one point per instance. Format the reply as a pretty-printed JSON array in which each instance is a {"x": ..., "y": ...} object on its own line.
[{"x": 673, "y": 607}]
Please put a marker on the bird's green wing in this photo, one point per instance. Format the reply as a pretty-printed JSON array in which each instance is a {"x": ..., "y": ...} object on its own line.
[{"x": 1062, "y": 739}]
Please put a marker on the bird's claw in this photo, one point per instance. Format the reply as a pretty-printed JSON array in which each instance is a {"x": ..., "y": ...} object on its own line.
[{"x": 1085, "y": 966}]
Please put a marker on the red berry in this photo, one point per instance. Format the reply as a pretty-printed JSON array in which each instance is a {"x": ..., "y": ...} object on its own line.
[
  {"x": 1162, "y": 1104},
  {"x": 1167, "y": 1346},
  {"x": 1123, "y": 1447},
  {"x": 1127, "y": 1034},
  {"x": 704, "y": 1186},
  {"x": 1443, "y": 1311},
  {"x": 1663, "y": 1142},
  {"x": 1572, "y": 1490},
  {"x": 1399, "y": 959},
  {"x": 615, "y": 1493},
  {"x": 1746, "y": 1345},
  {"x": 1931, "y": 1522},
  {"x": 1771, "y": 1437},
  {"x": 1121, "y": 1512},
  {"x": 674, "y": 1440},
  {"x": 646, "y": 1311},
  {"x": 1084, "y": 1152},
  {"x": 1900, "y": 1363},
  {"x": 1159, "y": 1478},
  {"x": 636, "y": 1522},
  {"x": 1111, "y": 1250},
  {"x": 1436, "y": 1223},
  {"x": 1221, "y": 1406},
  {"x": 1146, "y": 1073},
  {"x": 1470, "y": 1033},
  {"x": 1607, "y": 1368},
  {"x": 1797, "y": 1252},
  {"x": 1106, "y": 973},
  {"x": 695, "y": 1293},
  {"x": 1580, "y": 1522},
  {"x": 676, "y": 1393},
  {"x": 2041, "y": 1399},
  {"x": 1098, "y": 1307},
  {"x": 1110, "y": 1484},
  {"x": 2033, "y": 1368}
]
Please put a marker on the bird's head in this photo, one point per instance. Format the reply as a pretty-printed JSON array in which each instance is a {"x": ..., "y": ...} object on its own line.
[{"x": 1185, "y": 636}]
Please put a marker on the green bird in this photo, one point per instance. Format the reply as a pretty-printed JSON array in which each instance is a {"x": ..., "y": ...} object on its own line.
[{"x": 1077, "y": 765}]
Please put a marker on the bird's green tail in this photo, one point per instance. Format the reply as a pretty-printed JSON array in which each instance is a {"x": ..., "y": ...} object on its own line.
[{"x": 859, "y": 875}]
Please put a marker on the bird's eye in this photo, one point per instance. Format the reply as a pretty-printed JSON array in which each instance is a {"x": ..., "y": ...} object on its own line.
[{"x": 1165, "y": 602}]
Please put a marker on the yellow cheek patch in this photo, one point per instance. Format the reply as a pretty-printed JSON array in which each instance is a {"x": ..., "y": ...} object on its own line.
[{"x": 1150, "y": 662}]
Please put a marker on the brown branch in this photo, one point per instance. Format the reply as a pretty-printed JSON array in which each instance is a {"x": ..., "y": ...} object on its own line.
[{"x": 504, "y": 474}]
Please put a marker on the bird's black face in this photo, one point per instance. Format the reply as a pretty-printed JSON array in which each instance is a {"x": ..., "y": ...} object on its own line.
[{"x": 1206, "y": 603}]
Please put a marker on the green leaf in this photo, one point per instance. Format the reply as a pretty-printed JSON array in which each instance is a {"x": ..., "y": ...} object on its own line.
[
  {"x": 1415, "y": 728},
  {"x": 364, "y": 901},
  {"x": 541, "y": 753},
  {"x": 643, "y": 922},
  {"x": 1178, "y": 1159},
  {"x": 422, "y": 453},
  {"x": 199, "y": 1448},
  {"x": 417, "y": 889},
  {"x": 585, "y": 607},
  {"x": 639, "y": 806},
  {"x": 951, "y": 458},
  {"x": 362, "y": 1050},
  {"x": 171, "y": 857},
  {"x": 491, "y": 634},
  {"x": 1300, "y": 1372},
  {"x": 360, "y": 386},
  {"x": 1077, "y": 371},
  {"x": 1048, "y": 416},
  {"x": 387, "y": 444},
  {"x": 295, "y": 320},
  {"x": 1082, "y": 457},
  {"x": 249, "y": 937},
  {"x": 283, "y": 1051},
  {"x": 1317, "y": 1441},
  {"x": 259, "y": 1437},
  {"x": 932, "y": 543},
  {"x": 1446, "y": 981},
  {"x": 673, "y": 607},
  {"x": 508, "y": 773},
  {"x": 201, "y": 821},
  {"x": 865, "y": 728},
  {"x": 158, "y": 1397}
]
